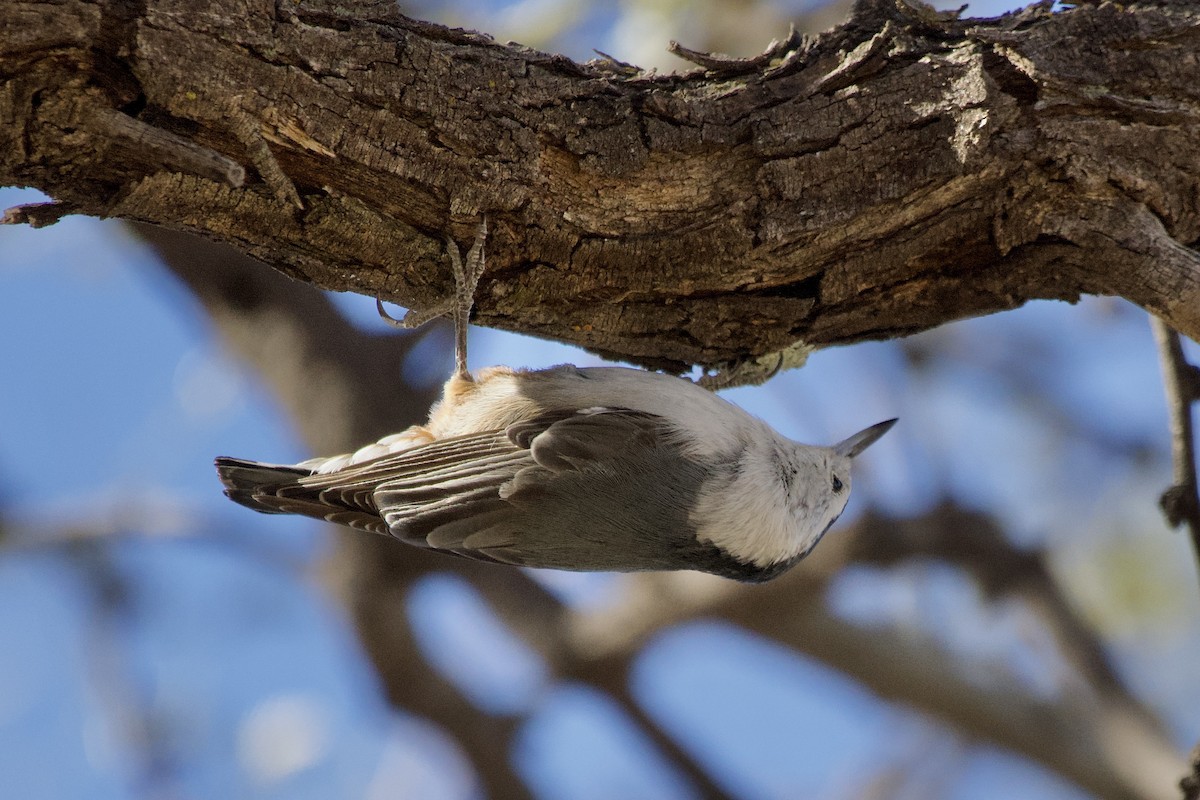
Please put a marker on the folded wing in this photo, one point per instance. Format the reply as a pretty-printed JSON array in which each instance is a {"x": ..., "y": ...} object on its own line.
[{"x": 597, "y": 488}]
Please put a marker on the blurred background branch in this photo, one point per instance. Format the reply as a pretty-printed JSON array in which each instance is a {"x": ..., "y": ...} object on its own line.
[
  {"x": 1181, "y": 502},
  {"x": 1086, "y": 732}
]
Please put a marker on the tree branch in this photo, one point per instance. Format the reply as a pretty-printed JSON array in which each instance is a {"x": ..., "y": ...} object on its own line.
[
  {"x": 904, "y": 170},
  {"x": 1181, "y": 379}
]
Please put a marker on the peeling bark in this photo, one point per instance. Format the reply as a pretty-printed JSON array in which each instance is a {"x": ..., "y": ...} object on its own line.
[{"x": 901, "y": 171}]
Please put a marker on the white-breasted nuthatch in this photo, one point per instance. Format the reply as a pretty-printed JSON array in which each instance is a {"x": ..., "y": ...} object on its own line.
[{"x": 597, "y": 468}]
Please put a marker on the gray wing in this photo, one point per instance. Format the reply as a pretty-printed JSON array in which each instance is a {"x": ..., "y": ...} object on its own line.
[
  {"x": 347, "y": 496},
  {"x": 591, "y": 489}
]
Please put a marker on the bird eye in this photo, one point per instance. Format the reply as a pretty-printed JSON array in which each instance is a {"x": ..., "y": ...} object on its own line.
[{"x": 837, "y": 484}]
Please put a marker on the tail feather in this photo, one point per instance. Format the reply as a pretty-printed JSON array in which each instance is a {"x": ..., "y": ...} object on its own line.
[
  {"x": 255, "y": 484},
  {"x": 278, "y": 489}
]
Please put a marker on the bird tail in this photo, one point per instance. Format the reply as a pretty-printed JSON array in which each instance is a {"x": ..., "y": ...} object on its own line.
[{"x": 250, "y": 483}]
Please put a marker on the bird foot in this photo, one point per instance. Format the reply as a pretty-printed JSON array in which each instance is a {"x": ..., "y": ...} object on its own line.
[{"x": 467, "y": 272}]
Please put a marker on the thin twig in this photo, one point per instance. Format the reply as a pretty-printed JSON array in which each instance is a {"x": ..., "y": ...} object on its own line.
[
  {"x": 168, "y": 148},
  {"x": 1181, "y": 502}
]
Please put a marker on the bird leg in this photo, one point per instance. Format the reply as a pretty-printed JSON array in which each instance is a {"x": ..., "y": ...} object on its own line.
[{"x": 466, "y": 278}]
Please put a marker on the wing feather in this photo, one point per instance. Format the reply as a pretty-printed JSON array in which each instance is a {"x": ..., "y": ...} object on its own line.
[
  {"x": 556, "y": 501},
  {"x": 596, "y": 488}
]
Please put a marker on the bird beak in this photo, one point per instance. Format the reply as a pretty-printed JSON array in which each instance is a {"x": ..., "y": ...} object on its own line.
[{"x": 863, "y": 439}]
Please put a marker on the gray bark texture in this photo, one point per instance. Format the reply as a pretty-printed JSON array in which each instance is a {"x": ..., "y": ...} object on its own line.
[{"x": 906, "y": 169}]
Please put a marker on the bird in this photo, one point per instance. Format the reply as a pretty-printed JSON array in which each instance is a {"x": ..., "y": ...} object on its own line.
[{"x": 573, "y": 468}]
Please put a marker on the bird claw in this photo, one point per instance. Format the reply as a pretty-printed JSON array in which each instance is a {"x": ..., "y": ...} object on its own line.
[
  {"x": 414, "y": 317},
  {"x": 467, "y": 272}
]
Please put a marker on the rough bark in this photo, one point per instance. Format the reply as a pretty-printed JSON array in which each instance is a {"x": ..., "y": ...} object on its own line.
[{"x": 906, "y": 169}]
